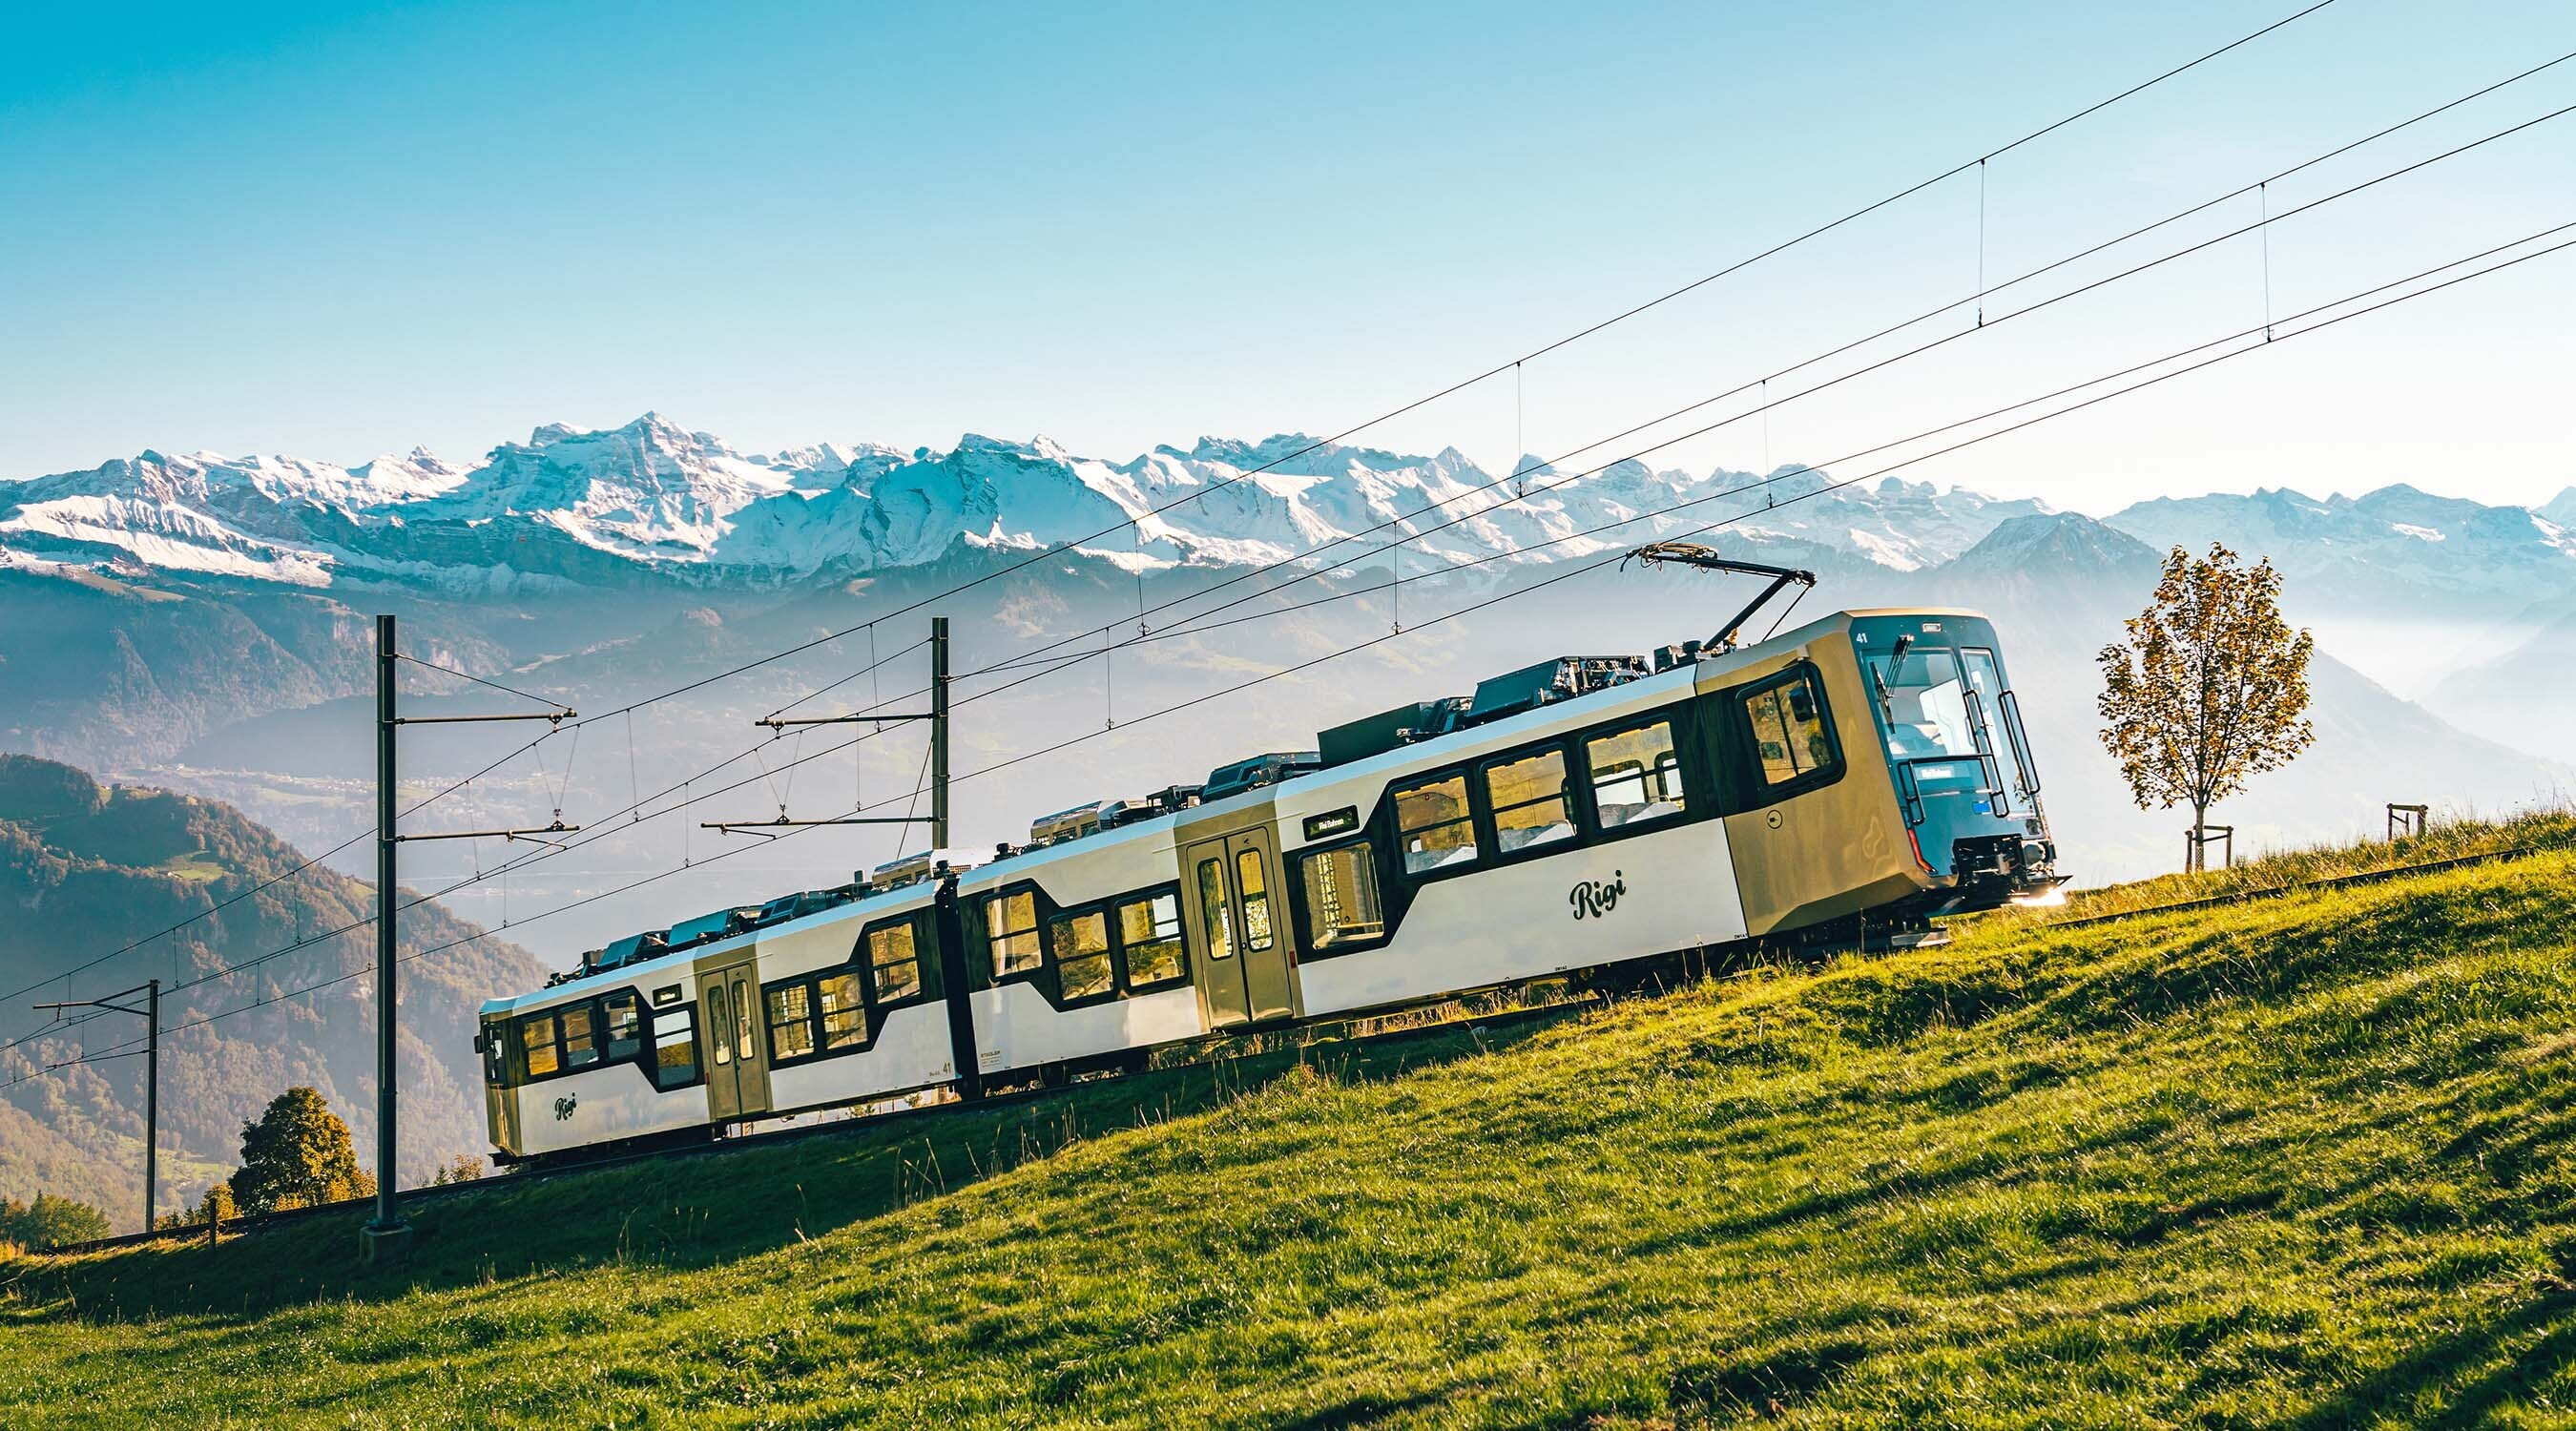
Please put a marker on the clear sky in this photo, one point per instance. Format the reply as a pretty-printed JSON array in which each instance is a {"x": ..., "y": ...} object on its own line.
[{"x": 335, "y": 230}]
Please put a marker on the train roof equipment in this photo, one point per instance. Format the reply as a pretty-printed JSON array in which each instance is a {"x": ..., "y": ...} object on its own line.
[
  {"x": 1380, "y": 733},
  {"x": 1709, "y": 559},
  {"x": 803, "y": 902},
  {"x": 627, "y": 951},
  {"x": 918, "y": 866},
  {"x": 1114, "y": 813},
  {"x": 1066, "y": 825},
  {"x": 1265, "y": 769},
  {"x": 714, "y": 924},
  {"x": 1560, "y": 679}
]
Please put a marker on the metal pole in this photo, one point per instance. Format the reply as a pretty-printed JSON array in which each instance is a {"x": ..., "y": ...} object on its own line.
[
  {"x": 151, "y": 1103},
  {"x": 939, "y": 732},
  {"x": 385, "y": 1233}
]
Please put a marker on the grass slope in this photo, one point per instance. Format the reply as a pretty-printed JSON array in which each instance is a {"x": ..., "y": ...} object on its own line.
[{"x": 2302, "y": 1163}]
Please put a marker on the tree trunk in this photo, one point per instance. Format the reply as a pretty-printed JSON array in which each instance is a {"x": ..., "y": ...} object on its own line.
[{"x": 2199, "y": 850}]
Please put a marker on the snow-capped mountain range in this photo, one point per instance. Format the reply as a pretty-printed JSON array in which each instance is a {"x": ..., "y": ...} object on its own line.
[
  {"x": 651, "y": 500},
  {"x": 651, "y": 496}
]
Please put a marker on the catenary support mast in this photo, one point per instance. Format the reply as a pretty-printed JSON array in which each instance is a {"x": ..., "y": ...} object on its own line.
[{"x": 387, "y": 1237}]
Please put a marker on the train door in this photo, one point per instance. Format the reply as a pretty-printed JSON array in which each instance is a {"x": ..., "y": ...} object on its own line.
[
  {"x": 1240, "y": 922},
  {"x": 737, "y": 1074}
]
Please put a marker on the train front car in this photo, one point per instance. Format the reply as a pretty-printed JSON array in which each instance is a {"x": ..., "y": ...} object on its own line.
[
  {"x": 1965, "y": 781},
  {"x": 1886, "y": 777}
]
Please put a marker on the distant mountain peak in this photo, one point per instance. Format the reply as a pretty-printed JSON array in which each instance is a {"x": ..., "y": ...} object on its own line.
[{"x": 2064, "y": 541}]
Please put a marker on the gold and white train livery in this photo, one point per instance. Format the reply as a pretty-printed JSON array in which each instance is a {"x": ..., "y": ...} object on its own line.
[{"x": 1869, "y": 766}]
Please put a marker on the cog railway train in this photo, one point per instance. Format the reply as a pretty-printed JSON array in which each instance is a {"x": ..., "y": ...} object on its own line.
[{"x": 1843, "y": 781}]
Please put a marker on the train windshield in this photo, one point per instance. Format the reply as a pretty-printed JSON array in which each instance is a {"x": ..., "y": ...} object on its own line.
[{"x": 1923, "y": 702}]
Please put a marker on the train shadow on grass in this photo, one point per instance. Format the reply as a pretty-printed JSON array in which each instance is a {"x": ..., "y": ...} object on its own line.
[{"x": 685, "y": 1213}]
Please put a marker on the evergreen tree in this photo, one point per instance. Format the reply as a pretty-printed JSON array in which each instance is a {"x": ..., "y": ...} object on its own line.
[{"x": 296, "y": 1153}]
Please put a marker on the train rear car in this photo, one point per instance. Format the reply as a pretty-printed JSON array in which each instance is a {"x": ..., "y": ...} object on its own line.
[{"x": 837, "y": 1007}]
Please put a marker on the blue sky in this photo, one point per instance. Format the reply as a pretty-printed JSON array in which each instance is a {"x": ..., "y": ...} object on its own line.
[{"x": 334, "y": 231}]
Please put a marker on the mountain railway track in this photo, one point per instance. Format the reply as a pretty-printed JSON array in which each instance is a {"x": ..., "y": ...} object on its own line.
[
  {"x": 1315, "y": 1036},
  {"x": 1310, "y": 1037}
]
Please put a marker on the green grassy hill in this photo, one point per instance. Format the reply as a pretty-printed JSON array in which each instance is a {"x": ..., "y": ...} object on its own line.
[{"x": 2302, "y": 1163}]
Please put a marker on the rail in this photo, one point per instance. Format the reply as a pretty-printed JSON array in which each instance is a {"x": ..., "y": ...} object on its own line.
[
  {"x": 254, "y": 1222},
  {"x": 868, "y": 1123}
]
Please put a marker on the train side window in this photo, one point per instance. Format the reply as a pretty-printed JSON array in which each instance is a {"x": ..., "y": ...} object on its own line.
[
  {"x": 845, "y": 1019},
  {"x": 537, "y": 1041},
  {"x": 1341, "y": 896},
  {"x": 496, "y": 1055},
  {"x": 1636, "y": 775},
  {"x": 1789, "y": 729},
  {"x": 1149, "y": 939},
  {"x": 1219, "y": 913},
  {"x": 675, "y": 1047},
  {"x": 1434, "y": 825},
  {"x": 1256, "y": 901},
  {"x": 580, "y": 1036},
  {"x": 1081, "y": 946},
  {"x": 896, "y": 961},
  {"x": 625, "y": 1019},
  {"x": 791, "y": 1022},
  {"x": 1014, "y": 919},
  {"x": 1529, "y": 802}
]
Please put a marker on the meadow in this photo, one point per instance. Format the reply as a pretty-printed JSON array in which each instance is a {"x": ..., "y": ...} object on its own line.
[{"x": 2298, "y": 1163}]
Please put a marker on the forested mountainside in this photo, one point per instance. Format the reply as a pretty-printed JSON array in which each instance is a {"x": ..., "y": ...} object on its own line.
[{"x": 86, "y": 870}]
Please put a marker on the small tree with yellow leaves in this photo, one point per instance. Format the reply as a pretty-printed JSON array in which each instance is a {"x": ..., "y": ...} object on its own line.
[{"x": 2208, "y": 689}]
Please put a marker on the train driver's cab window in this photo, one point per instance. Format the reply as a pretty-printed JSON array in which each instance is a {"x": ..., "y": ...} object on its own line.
[
  {"x": 624, "y": 1015},
  {"x": 537, "y": 1042},
  {"x": 1014, "y": 919},
  {"x": 1216, "y": 909},
  {"x": 1789, "y": 729},
  {"x": 496, "y": 1060},
  {"x": 1528, "y": 799},
  {"x": 894, "y": 957},
  {"x": 1342, "y": 904},
  {"x": 675, "y": 1047},
  {"x": 1081, "y": 946},
  {"x": 791, "y": 1022},
  {"x": 1434, "y": 826},
  {"x": 1923, "y": 703},
  {"x": 1636, "y": 775},
  {"x": 1149, "y": 939}
]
